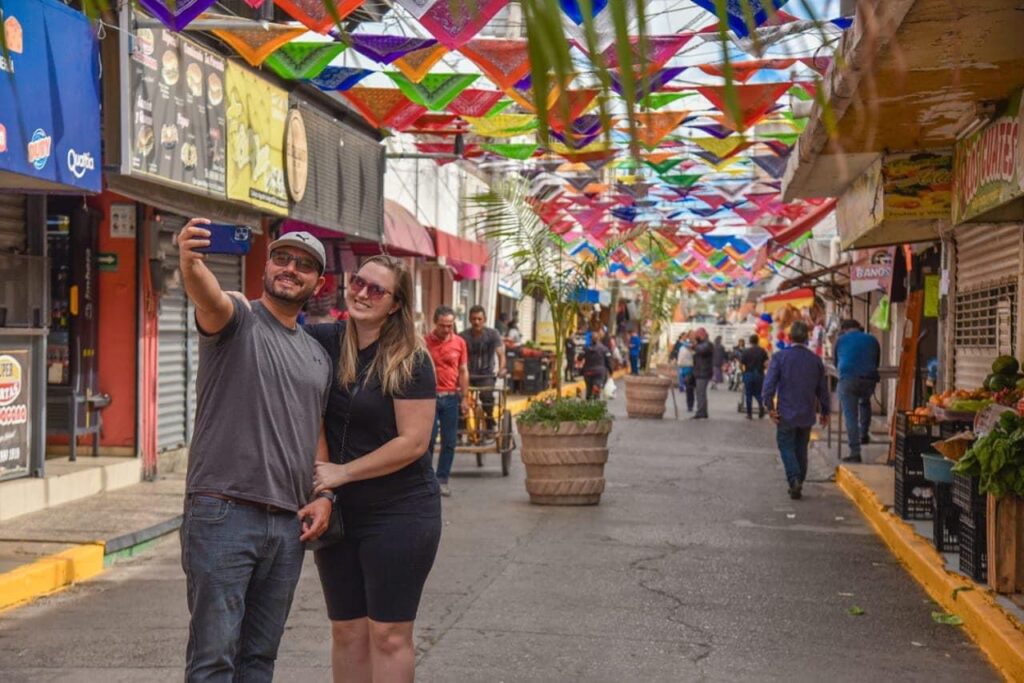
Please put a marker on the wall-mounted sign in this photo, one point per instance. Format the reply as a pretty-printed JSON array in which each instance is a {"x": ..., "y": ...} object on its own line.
[
  {"x": 15, "y": 418},
  {"x": 917, "y": 185},
  {"x": 176, "y": 91},
  {"x": 989, "y": 165},
  {"x": 49, "y": 94},
  {"x": 256, "y": 113},
  {"x": 122, "y": 221},
  {"x": 871, "y": 270},
  {"x": 296, "y": 155}
]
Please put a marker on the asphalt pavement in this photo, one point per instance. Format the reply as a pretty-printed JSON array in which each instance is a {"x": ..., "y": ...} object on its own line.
[{"x": 696, "y": 566}]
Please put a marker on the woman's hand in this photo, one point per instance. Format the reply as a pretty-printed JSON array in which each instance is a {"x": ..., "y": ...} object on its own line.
[{"x": 329, "y": 476}]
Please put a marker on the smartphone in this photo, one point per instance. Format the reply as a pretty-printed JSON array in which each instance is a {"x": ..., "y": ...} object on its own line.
[{"x": 228, "y": 239}]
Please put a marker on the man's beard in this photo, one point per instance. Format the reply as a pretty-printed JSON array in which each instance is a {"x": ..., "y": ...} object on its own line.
[{"x": 300, "y": 297}]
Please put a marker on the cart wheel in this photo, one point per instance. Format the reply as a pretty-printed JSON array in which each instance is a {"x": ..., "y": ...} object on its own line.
[
  {"x": 479, "y": 459},
  {"x": 506, "y": 443}
]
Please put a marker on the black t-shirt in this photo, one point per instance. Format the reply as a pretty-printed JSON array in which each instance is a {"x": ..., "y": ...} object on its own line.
[
  {"x": 753, "y": 359},
  {"x": 371, "y": 423},
  {"x": 481, "y": 351}
]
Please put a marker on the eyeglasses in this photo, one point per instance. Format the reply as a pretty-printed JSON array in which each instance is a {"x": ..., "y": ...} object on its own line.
[
  {"x": 303, "y": 264},
  {"x": 374, "y": 292}
]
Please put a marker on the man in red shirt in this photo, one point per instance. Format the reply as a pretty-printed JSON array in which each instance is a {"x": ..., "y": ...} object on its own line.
[{"x": 451, "y": 367}]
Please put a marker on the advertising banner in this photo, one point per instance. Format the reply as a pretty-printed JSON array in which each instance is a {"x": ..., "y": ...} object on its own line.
[
  {"x": 49, "y": 95},
  {"x": 872, "y": 270},
  {"x": 256, "y": 113},
  {"x": 15, "y": 420},
  {"x": 989, "y": 165},
  {"x": 917, "y": 186},
  {"x": 177, "y": 127}
]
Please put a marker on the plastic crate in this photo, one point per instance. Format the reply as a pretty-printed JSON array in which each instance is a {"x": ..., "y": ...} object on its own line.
[
  {"x": 909, "y": 464},
  {"x": 909, "y": 424},
  {"x": 951, "y": 428},
  {"x": 945, "y": 520},
  {"x": 912, "y": 497},
  {"x": 973, "y": 552},
  {"x": 967, "y": 497}
]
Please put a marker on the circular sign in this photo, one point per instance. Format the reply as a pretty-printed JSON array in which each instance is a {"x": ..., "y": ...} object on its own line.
[
  {"x": 296, "y": 155},
  {"x": 10, "y": 379}
]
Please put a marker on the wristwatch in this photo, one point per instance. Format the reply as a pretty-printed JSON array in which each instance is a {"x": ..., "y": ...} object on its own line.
[{"x": 328, "y": 494}]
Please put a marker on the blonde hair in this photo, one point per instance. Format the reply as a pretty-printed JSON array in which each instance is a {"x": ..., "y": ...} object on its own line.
[{"x": 398, "y": 345}]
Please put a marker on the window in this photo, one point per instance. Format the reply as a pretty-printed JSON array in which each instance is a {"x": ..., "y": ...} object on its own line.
[{"x": 985, "y": 317}]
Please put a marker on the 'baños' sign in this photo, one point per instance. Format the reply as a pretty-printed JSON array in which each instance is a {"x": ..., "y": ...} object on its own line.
[{"x": 988, "y": 169}]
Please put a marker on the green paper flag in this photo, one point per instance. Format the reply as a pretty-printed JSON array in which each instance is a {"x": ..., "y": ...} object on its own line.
[
  {"x": 435, "y": 91},
  {"x": 785, "y": 138},
  {"x": 501, "y": 106},
  {"x": 519, "y": 152},
  {"x": 683, "y": 180},
  {"x": 657, "y": 100},
  {"x": 661, "y": 168},
  {"x": 303, "y": 60}
]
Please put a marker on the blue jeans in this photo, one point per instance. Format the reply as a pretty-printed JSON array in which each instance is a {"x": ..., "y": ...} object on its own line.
[
  {"x": 447, "y": 422},
  {"x": 687, "y": 387},
  {"x": 241, "y": 567},
  {"x": 855, "y": 397},
  {"x": 792, "y": 443},
  {"x": 634, "y": 364},
  {"x": 752, "y": 383}
]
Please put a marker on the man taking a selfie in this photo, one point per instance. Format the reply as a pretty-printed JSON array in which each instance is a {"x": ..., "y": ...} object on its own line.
[{"x": 261, "y": 393}]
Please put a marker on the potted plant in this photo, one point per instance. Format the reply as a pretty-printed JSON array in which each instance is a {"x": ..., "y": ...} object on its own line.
[
  {"x": 564, "y": 446},
  {"x": 646, "y": 393}
]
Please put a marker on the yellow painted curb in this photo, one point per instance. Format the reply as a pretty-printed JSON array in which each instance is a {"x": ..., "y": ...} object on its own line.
[
  {"x": 997, "y": 633},
  {"x": 49, "y": 574}
]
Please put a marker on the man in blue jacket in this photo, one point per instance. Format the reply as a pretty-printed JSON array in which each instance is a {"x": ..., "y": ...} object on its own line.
[
  {"x": 857, "y": 357},
  {"x": 796, "y": 388}
]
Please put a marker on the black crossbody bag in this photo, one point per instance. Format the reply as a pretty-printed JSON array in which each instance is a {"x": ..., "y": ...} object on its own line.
[{"x": 335, "y": 531}]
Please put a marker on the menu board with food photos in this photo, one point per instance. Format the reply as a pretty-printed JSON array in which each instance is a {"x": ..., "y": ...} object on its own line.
[{"x": 177, "y": 111}]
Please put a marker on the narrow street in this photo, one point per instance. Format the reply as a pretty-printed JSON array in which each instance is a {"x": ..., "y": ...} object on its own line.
[{"x": 695, "y": 567}]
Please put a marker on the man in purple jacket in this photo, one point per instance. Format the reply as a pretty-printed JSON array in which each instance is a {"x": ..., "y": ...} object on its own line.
[{"x": 796, "y": 388}]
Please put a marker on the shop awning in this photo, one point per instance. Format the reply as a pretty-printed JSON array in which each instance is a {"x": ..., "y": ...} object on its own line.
[
  {"x": 805, "y": 224},
  {"x": 455, "y": 248},
  {"x": 797, "y": 298},
  {"x": 403, "y": 234}
]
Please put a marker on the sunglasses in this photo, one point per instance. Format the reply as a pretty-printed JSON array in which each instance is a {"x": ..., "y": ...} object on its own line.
[
  {"x": 303, "y": 264},
  {"x": 374, "y": 292}
]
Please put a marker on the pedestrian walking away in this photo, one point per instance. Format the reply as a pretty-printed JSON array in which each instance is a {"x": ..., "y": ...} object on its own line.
[
  {"x": 753, "y": 360},
  {"x": 720, "y": 358},
  {"x": 249, "y": 501},
  {"x": 857, "y": 356},
  {"x": 483, "y": 345},
  {"x": 796, "y": 388},
  {"x": 597, "y": 365},
  {"x": 703, "y": 371},
  {"x": 451, "y": 367},
  {"x": 379, "y": 417},
  {"x": 635, "y": 343}
]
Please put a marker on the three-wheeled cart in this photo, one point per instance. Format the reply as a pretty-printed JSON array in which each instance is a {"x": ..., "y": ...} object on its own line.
[{"x": 474, "y": 436}]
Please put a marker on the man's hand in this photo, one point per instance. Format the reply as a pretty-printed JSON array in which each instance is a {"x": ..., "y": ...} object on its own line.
[
  {"x": 315, "y": 517},
  {"x": 193, "y": 236},
  {"x": 774, "y": 415},
  {"x": 823, "y": 420},
  {"x": 464, "y": 406}
]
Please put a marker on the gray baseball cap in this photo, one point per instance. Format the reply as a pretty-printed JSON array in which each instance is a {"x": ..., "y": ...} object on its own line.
[{"x": 304, "y": 241}]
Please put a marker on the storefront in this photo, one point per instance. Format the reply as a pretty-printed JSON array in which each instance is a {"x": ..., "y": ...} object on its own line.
[{"x": 49, "y": 146}]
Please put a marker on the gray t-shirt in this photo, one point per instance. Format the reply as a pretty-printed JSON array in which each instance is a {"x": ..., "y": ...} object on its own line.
[
  {"x": 481, "y": 351},
  {"x": 261, "y": 393}
]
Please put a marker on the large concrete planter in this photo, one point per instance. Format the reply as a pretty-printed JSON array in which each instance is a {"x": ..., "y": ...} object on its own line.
[
  {"x": 565, "y": 462},
  {"x": 645, "y": 395}
]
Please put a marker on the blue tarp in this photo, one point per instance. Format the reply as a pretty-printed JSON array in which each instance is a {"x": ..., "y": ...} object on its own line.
[{"x": 50, "y": 95}]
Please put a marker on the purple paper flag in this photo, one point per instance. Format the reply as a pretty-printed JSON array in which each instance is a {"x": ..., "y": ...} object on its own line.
[{"x": 182, "y": 14}]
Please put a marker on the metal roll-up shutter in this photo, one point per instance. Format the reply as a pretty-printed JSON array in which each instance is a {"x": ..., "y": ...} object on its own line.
[
  {"x": 228, "y": 271},
  {"x": 12, "y": 223},
  {"x": 172, "y": 367},
  {"x": 986, "y": 299}
]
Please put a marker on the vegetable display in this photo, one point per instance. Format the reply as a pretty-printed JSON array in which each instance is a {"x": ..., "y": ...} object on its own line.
[{"x": 997, "y": 458}]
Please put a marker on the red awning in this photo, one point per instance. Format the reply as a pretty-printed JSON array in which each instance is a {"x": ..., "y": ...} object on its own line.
[
  {"x": 403, "y": 234},
  {"x": 804, "y": 225},
  {"x": 458, "y": 249},
  {"x": 797, "y": 298}
]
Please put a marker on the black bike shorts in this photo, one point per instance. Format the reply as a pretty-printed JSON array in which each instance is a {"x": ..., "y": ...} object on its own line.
[{"x": 378, "y": 570}]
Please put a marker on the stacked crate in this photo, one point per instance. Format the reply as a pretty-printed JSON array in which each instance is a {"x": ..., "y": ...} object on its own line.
[
  {"x": 913, "y": 493},
  {"x": 972, "y": 538}
]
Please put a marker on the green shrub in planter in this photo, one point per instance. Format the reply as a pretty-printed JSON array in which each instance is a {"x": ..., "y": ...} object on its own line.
[{"x": 555, "y": 411}]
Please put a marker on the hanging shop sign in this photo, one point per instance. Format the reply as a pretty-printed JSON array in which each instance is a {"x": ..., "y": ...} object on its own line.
[
  {"x": 917, "y": 186},
  {"x": 49, "y": 96},
  {"x": 176, "y": 91},
  {"x": 344, "y": 173},
  {"x": 989, "y": 165},
  {"x": 871, "y": 270},
  {"x": 15, "y": 414},
  {"x": 256, "y": 113}
]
